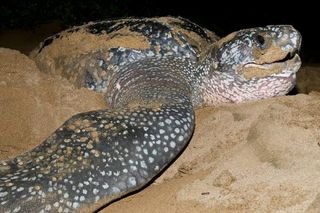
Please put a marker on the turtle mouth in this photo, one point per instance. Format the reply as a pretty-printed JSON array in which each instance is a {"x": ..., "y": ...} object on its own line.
[{"x": 285, "y": 67}]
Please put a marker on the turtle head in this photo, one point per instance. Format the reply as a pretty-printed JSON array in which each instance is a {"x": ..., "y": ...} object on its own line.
[{"x": 255, "y": 63}]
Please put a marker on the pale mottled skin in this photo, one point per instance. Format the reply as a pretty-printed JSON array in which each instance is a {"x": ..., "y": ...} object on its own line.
[{"x": 96, "y": 157}]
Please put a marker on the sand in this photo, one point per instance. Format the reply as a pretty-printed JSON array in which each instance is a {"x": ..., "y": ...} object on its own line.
[
  {"x": 259, "y": 156},
  {"x": 34, "y": 104}
]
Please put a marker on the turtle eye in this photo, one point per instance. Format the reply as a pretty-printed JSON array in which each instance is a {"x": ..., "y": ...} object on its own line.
[{"x": 260, "y": 40}]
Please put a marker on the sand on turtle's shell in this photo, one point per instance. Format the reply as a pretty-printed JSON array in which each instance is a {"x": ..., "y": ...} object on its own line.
[{"x": 75, "y": 51}]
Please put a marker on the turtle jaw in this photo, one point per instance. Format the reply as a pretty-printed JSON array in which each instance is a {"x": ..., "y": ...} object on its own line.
[
  {"x": 284, "y": 68},
  {"x": 290, "y": 67}
]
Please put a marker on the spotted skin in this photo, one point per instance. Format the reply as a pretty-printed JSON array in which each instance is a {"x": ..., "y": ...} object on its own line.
[
  {"x": 99, "y": 156},
  {"x": 96, "y": 154}
]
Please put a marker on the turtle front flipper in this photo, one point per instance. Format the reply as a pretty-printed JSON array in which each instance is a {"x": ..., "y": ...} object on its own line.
[{"x": 94, "y": 158}]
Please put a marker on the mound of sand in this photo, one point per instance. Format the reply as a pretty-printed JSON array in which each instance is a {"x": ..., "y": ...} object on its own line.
[
  {"x": 33, "y": 104},
  {"x": 256, "y": 157}
]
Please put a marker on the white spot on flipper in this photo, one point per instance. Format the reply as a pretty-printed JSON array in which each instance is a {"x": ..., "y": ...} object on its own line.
[
  {"x": 151, "y": 159},
  {"x": 75, "y": 205},
  {"x": 133, "y": 168},
  {"x": 115, "y": 190},
  {"x": 132, "y": 181},
  {"x": 172, "y": 135},
  {"x": 168, "y": 121},
  {"x": 145, "y": 151},
  {"x": 66, "y": 195},
  {"x": 154, "y": 152},
  {"x": 105, "y": 185},
  {"x": 95, "y": 191},
  {"x": 172, "y": 144},
  {"x": 143, "y": 164}
]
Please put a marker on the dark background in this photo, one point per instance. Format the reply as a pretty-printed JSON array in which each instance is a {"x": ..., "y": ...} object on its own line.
[{"x": 221, "y": 16}]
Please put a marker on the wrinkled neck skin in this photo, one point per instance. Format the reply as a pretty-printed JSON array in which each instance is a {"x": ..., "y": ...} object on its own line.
[
  {"x": 151, "y": 82},
  {"x": 221, "y": 85},
  {"x": 218, "y": 88}
]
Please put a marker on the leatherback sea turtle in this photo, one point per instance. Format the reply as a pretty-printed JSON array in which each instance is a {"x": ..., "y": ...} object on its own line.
[{"x": 152, "y": 89}]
